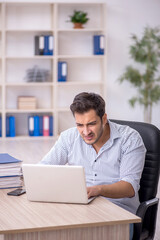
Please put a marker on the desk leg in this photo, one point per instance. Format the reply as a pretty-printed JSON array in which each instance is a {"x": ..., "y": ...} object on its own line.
[{"x": 116, "y": 232}]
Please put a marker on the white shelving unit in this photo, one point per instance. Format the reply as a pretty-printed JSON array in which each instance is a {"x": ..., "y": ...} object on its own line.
[{"x": 19, "y": 23}]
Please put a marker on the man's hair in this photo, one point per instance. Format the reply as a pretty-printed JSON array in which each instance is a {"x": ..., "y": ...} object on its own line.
[{"x": 83, "y": 102}]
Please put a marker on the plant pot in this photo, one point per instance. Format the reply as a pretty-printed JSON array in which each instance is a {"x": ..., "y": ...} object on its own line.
[{"x": 78, "y": 25}]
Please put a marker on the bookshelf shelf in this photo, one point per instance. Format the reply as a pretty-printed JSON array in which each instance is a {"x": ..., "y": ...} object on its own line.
[
  {"x": 20, "y": 22},
  {"x": 50, "y": 110},
  {"x": 29, "y": 84}
]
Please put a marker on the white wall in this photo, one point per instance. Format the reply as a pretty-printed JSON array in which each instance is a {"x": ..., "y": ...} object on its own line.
[{"x": 124, "y": 17}]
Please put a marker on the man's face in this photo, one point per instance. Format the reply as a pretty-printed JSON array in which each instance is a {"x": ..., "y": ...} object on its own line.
[{"x": 90, "y": 126}]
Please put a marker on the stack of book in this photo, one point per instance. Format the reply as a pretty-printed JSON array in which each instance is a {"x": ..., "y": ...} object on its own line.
[
  {"x": 27, "y": 102},
  {"x": 10, "y": 172},
  {"x": 40, "y": 125}
]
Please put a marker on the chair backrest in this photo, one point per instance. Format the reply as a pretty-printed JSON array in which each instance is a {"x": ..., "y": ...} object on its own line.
[{"x": 150, "y": 176}]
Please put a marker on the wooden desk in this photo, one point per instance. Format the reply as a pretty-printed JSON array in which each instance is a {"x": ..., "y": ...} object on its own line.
[{"x": 24, "y": 220}]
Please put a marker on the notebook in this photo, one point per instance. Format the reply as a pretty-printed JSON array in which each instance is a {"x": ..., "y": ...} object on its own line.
[{"x": 54, "y": 183}]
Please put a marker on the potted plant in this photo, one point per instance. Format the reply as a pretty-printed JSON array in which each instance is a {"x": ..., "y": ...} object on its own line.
[
  {"x": 145, "y": 51},
  {"x": 79, "y": 18}
]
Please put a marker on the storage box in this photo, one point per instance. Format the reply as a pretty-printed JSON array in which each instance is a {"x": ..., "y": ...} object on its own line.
[{"x": 27, "y": 102}]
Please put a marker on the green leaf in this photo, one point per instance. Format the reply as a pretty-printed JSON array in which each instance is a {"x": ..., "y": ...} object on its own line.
[
  {"x": 146, "y": 52},
  {"x": 132, "y": 75}
]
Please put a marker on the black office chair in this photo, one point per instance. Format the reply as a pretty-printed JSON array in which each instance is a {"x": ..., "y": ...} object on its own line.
[{"x": 149, "y": 180}]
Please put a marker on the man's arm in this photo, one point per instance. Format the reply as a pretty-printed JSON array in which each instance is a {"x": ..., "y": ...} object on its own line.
[
  {"x": 120, "y": 189},
  {"x": 131, "y": 167}
]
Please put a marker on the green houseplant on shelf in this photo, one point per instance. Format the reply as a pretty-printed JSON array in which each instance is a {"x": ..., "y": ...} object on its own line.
[
  {"x": 79, "y": 18},
  {"x": 146, "y": 52}
]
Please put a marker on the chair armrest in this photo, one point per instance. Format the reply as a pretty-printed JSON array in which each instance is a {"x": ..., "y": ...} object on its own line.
[
  {"x": 141, "y": 211},
  {"x": 140, "y": 229}
]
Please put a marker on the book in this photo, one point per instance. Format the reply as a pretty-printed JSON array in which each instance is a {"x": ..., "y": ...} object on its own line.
[
  {"x": 5, "y": 159},
  {"x": 62, "y": 71},
  {"x": 11, "y": 182},
  {"x": 27, "y": 102},
  {"x": 98, "y": 43},
  {"x": 45, "y": 125},
  {"x": 10, "y": 171}
]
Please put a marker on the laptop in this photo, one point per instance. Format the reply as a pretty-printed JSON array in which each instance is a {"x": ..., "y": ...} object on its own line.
[{"x": 55, "y": 183}]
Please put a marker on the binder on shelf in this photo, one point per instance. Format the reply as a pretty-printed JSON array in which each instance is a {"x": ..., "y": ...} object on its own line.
[
  {"x": 39, "y": 45},
  {"x": 10, "y": 126},
  {"x": 36, "y": 126},
  {"x": 98, "y": 44},
  {"x": 45, "y": 125},
  {"x": 31, "y": 125},
  {"x": 51, "y": 45},
  {"x": 7, "y": 127},
  {"x": 62, "y": 71},
  {"x": 40, "y": 125},
  {"x": 0, "y": 126},
  {"x": 48, "y": 45},
  {"x": 50, "y": 125}
]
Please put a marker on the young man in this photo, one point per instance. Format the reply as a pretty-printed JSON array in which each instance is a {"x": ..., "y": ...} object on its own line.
[{"x": 112, "y": 155}]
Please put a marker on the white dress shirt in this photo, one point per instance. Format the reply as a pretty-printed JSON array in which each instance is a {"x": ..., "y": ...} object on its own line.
[{"x": 120, "y": 158}]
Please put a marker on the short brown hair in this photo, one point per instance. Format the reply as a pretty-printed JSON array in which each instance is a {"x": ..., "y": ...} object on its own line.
[{"x": 83, "y": 102}]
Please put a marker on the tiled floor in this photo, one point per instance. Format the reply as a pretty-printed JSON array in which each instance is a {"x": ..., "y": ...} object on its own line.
[{"x": 32, "y": 151}]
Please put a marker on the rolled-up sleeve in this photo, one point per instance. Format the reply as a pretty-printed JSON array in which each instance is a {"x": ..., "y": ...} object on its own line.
[{"x": 132, "y": 160}]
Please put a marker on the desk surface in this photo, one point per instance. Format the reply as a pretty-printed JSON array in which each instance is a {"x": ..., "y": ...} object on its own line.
[{"x": 17, "y": 214}]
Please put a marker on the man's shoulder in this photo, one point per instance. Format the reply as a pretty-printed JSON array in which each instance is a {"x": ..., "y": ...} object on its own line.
[
  {"x": 125, "y": 131},
  {"x": 70, "y": 133}
]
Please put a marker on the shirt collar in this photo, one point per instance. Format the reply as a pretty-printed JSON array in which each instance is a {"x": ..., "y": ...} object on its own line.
[{"x": 114, "y": 133}]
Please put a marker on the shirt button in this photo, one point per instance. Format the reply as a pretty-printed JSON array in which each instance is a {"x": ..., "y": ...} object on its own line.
[
  {"x": 95, "y": 175},
  {"x": 95, "y": 161}
]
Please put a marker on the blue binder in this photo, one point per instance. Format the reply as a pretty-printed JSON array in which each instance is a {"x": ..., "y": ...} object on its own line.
[
  {"x": 50, "y": 125},
  {"x": 36, "y": 125},
  {"x": 0, "y": 127},
  {"x": 40, "y": 125},
  {"x": 7, "y": 127},
  {"x": 31, "y": 125},
  {"x": 62, "y": 71},
  {"x": 46, "y": 45},
  {"x": 98, "y": 43},
  {"x": 51, "y": 45},
  {"x": 12, "y": 128}
]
